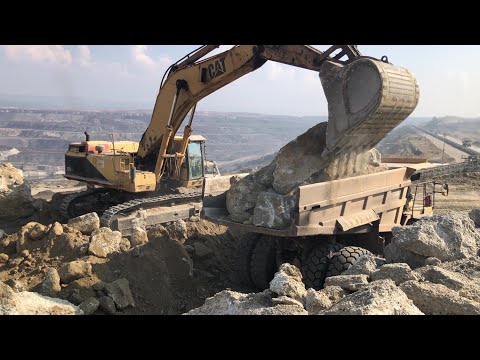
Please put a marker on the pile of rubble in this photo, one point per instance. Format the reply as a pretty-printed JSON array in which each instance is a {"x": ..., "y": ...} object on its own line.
[
  {"x": 94, "y": 270},
  {"x": 438, "y": 273},
  {"x": 268, "y": 197}
]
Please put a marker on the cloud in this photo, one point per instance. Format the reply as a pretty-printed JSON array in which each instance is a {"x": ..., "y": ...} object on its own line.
[
  {"x": 55, "y": 54},
  {"x": 139, "y": 53},
  {"x": 276, "y": 71},
  {"x": 85, "y": 56}
]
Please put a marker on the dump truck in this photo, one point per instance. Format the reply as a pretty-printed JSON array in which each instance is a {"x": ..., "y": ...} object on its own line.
[{"x": 335, "y": 222}]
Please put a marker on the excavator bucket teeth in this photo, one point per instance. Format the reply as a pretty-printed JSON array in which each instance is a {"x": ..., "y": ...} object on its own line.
[{"x": 366, "y": 100}]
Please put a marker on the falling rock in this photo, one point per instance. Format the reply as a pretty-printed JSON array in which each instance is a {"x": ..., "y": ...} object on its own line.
[
  {"x": 86, "y": 224},
  {"x": 119, "y": 292},
  {"x": 104, "y": 241},
  {"x": 399, "y": 273},
  {"x": 380, "y": 297},
  {"x": 74, "y": 270}
]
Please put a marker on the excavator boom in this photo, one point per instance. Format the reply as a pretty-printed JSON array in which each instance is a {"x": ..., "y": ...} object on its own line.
[{"x": 366, "y": 97}]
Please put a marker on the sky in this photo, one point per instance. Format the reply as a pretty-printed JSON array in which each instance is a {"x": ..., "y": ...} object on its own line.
[{"x": 449, "y": 77}]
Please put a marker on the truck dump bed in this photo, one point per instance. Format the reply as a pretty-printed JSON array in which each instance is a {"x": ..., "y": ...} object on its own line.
[{"x": 326, "y": 208}]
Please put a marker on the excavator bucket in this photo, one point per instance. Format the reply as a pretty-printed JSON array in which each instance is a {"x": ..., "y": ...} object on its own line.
[{"x": 366, "y": 100}]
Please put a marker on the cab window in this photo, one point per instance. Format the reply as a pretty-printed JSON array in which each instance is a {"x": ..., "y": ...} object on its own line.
[{"x": 195, "y": 168}]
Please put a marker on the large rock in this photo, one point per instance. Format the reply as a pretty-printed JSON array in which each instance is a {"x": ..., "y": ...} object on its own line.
[
  {"x": 86, "y": 224},
  {"x": 15, "y": 194},
  {"x": 104, "y": 242},
  {"x": 380, "y": 297},
  {"x": 288, "y": 282},
  {"x": 399, "y": 273},
  {"x": 119, "y": 292},
  {"x": 89, "y": 306},
  {"x": 273, "y": 210},
  {"x": 465, "y": 286},
  {"x": 475, "y": 216},
  {"x": 334, "y": 293},
  {"x": 447, "y": 237},
  {"x": 29, "y": 303},
  {"x": 7, "y": 300},
  {"x": 437, "y": 299},
  {"x": 201, "y": 250},
  {"x": 139, "y": 236},
  {"x": 242, "y": 195},
  {"x": 347, "y": 282},
  {"x": 178, "y": 231},
  {"x": 107, "y": 305},
  {"x": 394, "y": 254},
  {"x": 74, "y": 270},
  {"x": 36, "y": 232},
  {"x": 68, "y": 245},
  {"x": 233, "y": 303},
  {"x": 316, "y": 302},
  {"x": 365, "y": 265},
  {"x": 50, "y": 286}
]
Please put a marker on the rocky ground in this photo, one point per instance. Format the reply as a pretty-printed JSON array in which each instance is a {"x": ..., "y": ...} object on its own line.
[{"x": 430, "y": 268}]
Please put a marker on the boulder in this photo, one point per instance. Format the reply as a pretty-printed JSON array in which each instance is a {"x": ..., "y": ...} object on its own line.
[
  {"x": 273, "y": 210},
  {"x": 139, "y": 236},
  {"x": 380, "y": 297},
  {"x": 107, "y": 305},
  {"x": 201, "y": 250},
  {"x": 69, "y": 245},
  {"x": 285, "y": 300},
  {"x": 15, "y": 194},
  {"x": 7, "y": 300},
  {"x": 399, "y": 273},
  {"x": 347, "y": 282},
  {"x": 104, "y": 241},
  {"x": 288, "y": 282},
  {"x": 242, "y": 195},
  {"x": 437, "y": 299},
  {"x": 36, "y": 232},
  {"x": 241, "y": 217},
  {"x": 50, "y": 286},
  {"x": 447, "y": 237},
  {"x": 334, "y": 293},
  {"x": 119, "y": 292},
  {"x": 365, "y": 265},
  {"x": 86, "y": 224},
  {"x": 432, "y": 261},
  {"x": 233, "y": 303},
  {"x": 316, "y": 302},
  {"x": 178, "y": 231},
  {"x": 394, "y": 254},
  {"x": 475, "y": 216},
  {"x": 89, "y": 306},
  {"x": 74, "y": 270},
  {"x": 55, "y": 230}
]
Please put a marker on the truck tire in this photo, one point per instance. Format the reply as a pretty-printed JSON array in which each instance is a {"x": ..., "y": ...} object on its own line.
[
  {"x": 264, "y": 262},
  {"x": 315, "y": 266},
  {"x": 243, "y": 257},
  {"x": 345, "y": 258}
]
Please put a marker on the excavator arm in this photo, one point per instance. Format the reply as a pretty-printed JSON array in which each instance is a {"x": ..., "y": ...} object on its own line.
[{"x": 358, "y": 95}]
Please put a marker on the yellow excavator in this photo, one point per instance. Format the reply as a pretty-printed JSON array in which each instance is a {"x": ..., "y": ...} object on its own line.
[{"x": 366, "y": 97}]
